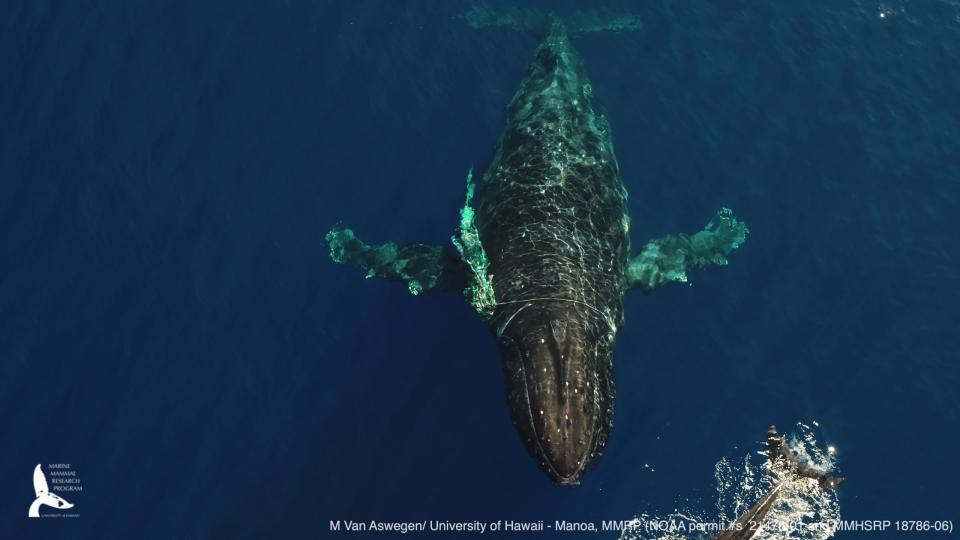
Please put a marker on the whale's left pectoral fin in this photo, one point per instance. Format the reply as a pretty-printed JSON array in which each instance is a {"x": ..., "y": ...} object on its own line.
[
  {"x": 669, "y": 258},
  {"x": 422, "y": 268}
]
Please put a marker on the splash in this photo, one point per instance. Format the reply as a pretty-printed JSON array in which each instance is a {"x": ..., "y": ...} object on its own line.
[{"x": 803, "y": 510}]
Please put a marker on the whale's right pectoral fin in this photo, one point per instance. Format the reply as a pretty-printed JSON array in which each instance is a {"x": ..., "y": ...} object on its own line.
[
  {"x": 422, "y": 268},
  {"x": 427, "y": 268},
  {"x": 669, "y": 258}
]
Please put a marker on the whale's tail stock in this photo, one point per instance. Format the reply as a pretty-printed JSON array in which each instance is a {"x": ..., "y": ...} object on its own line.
[{"x": 539, "y": 23}]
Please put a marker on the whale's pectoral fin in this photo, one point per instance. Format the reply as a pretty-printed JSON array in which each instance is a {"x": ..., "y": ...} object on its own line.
[
  {"x": 669, "y": 258},
  {"x": 423, "y": 268}
]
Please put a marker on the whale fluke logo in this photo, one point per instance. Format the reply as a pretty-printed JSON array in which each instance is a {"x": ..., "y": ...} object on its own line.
[{"x": 44, "y": 496}]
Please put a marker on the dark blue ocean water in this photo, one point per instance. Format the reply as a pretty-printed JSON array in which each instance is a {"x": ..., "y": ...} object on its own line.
[{"x": 172, "y": 327}]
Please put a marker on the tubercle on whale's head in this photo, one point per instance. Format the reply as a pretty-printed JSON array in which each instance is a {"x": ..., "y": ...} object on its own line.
[{"x": 557, "y": 363}]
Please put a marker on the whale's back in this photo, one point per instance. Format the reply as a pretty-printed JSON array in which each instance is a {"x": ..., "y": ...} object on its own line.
[
  {"x": 553, "y": 221},
  {"x": 552, "y": 206}
]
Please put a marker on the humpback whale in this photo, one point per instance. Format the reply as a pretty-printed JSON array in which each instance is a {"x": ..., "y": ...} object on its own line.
[{"x": 542, "y": 251}]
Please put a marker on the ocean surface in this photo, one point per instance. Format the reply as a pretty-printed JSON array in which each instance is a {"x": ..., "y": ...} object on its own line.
[{"x": 172, "y": 328}]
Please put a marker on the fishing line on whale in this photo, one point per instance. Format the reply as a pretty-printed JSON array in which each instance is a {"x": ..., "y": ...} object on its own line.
[{"x": 528, "y": 303}]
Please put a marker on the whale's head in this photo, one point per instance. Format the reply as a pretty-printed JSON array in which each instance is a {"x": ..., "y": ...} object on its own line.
[{"x": 557, "y": 362}]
